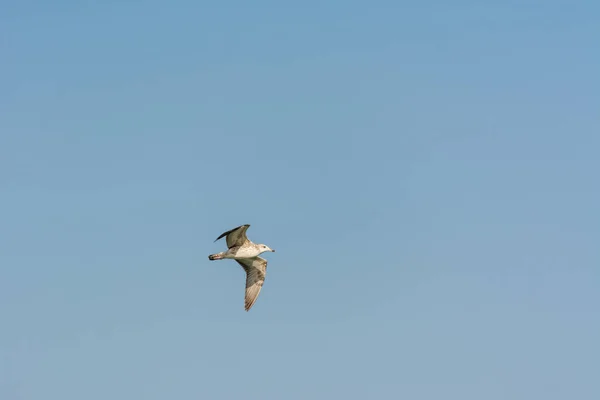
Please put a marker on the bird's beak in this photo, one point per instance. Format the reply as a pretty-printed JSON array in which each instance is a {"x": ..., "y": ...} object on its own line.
[{"x": 273, "y": 250}]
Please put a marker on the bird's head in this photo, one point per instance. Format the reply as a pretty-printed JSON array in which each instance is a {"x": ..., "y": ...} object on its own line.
[{"x": 263, "y": 248}]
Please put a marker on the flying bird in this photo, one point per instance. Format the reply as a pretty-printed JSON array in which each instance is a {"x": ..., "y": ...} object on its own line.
[{"x": 246, "y": 253}]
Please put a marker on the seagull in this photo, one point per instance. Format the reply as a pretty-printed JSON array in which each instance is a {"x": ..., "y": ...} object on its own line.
[{"x": 246, "y": 253}]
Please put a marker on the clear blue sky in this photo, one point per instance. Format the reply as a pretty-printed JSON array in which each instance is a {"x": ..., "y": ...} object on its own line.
[{"x": 428, "y": 173}]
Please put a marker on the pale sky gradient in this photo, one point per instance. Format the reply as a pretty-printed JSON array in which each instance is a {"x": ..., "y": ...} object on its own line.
[{"x": 428, "y": 173}]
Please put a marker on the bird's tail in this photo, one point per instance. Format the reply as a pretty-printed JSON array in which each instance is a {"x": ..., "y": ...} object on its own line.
[{"x": 217, "y": 256}]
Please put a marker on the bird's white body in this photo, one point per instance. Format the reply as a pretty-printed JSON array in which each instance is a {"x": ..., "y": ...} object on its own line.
[{"x": 249, "y": 250}]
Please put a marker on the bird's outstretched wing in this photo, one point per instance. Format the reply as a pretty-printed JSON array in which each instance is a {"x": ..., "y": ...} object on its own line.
[
  {"x": 256, "y": 270},
  {"x": 236, "y": 236}
]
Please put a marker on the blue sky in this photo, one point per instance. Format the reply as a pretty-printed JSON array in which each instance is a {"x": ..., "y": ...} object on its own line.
[{"x": 427, "y": 172}]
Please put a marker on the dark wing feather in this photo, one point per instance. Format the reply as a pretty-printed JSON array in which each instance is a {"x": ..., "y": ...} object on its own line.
[
  {"x": 236, "y": 236},
  {"x": 256, "y": 270}
]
